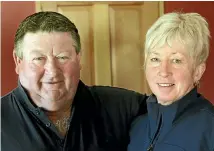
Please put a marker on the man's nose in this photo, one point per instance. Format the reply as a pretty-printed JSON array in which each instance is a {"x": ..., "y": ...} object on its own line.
[
  {"x": 51, "y": 67},
  {"x": 165, "y": 69}
]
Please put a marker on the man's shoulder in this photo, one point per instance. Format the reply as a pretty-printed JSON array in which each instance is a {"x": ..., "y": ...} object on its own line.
[
  {"x": 9, "y": 102},
  {"x": 119, "y": 105},
  {"x": 114, "y": 96},
  {"x": 6, "y": 98},
  {"x": 114, "y": 92},
  {"x": 8, "y": 108}
]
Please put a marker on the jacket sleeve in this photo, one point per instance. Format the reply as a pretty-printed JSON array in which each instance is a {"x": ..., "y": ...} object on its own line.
[
  {"x": 137, "y": 105},
  {"x": 121, "y": 100},
  {"x": 119, "y": 107}
]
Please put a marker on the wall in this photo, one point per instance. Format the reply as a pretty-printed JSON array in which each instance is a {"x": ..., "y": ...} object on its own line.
[
  {"x": 206, "y": 9},
  {"x": 12, "y": 13}
]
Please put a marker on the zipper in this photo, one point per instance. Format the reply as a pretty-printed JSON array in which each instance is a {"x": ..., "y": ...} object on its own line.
[{"x": 151, "y": 146}]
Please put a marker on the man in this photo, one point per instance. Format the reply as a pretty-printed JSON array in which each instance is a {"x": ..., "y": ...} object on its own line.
[{"x": 51, "y": 109}]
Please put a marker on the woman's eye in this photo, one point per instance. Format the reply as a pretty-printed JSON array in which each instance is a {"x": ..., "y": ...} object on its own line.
[
  {"x": 177, "y": 61},
  {"x": 154, "y": 60}
]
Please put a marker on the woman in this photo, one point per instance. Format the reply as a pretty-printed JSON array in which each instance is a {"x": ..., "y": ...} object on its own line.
[{"x": 179, "y": 118}]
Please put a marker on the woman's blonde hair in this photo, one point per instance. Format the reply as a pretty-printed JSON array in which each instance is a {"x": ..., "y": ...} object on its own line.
[{"x": 190, "y": 29}]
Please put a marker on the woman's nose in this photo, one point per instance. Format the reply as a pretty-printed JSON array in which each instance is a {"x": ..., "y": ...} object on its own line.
[{"x": 165, "y": 69}]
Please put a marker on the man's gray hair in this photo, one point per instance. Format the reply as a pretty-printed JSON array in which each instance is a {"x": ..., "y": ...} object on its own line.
[{"x": 45, "y": 22}]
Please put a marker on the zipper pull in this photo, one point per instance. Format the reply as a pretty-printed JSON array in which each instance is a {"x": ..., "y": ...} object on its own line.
[{"x": 150, "y": 148}]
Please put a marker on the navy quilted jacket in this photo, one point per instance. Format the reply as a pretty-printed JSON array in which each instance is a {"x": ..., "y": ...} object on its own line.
[{"x": 185, "y": 125}]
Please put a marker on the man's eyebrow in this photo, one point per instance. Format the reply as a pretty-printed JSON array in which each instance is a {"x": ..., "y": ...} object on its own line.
[
  {"x": 36, "y": 50},
  {"x": 33, "y": 52}
]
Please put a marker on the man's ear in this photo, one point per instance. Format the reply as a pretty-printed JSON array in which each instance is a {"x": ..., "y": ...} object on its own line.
[
  {"x": 17, "y": 61},
  {"x": 79, "y": 55},
  {"x": 199, "y": 71}
]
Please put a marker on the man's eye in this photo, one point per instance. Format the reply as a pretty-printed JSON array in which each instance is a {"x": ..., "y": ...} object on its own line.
[
  {"x": 38, "y": 58},
  {"x": 178, "y": 61},
  {"x": 62, "y": 57}
]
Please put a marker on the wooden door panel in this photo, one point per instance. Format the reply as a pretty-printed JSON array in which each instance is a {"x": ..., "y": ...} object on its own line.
[
  {"x": 101, "y": 44},
  {"x": 127, "y": 47}
]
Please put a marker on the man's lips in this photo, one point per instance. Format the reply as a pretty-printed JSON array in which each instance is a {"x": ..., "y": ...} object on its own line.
[{"x": 52, "y": 82}]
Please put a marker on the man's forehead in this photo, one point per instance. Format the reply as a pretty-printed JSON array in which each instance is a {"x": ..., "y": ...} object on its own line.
[
  {"x": 43, "y": 34},
  {"x": 44, "y": 41},
  {"x": 48, "y": 38}
]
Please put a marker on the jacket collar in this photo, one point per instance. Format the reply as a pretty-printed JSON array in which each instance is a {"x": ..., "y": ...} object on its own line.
[
  {"x": 173, "y": 112},
  {"x": 23, "y": 97}
]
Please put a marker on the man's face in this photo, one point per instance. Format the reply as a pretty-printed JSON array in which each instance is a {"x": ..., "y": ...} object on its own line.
[{"x": 50, "y": 69}]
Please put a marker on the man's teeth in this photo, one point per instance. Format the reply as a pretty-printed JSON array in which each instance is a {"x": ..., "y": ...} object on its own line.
[{"x": 165, "y": 84}]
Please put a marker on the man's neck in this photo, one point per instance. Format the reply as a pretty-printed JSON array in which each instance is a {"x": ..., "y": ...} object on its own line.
[{"x": 60, "y": 119}]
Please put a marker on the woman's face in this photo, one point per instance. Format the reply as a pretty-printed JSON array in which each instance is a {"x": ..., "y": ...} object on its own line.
[{"x": 170, "y": 73}]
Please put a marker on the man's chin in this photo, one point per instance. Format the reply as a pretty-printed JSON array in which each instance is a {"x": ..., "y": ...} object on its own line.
[
  {"x": 52, "y": 105},
  {"x": 50, "y": 109},
  {"x": 53, "y": 96},
  {"x": 53, "y": 99}
]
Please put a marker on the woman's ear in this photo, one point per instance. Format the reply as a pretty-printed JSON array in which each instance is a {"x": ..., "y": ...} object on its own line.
[
  {"x": 17, "y": 61},
  {"x": 199, "y": 71}
]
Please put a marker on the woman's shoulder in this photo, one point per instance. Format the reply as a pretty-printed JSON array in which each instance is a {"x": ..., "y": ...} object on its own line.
[{"x": 207, "y": 107}]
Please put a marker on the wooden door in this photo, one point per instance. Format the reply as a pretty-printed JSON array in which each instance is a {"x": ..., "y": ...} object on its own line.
[{"x": 112, "y": 37}]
